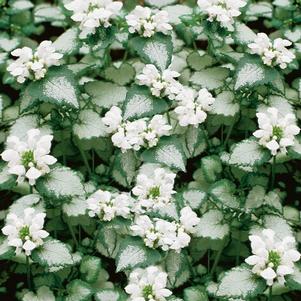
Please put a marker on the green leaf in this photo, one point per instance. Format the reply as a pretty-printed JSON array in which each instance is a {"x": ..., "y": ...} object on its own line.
[
  {"x": 68, "y": 42},
  {"x": 25, "y": 123},
  {"x": 195, "y": 293},
  {"x": 47, "y": 13},
  {"x": 156, "y": 50},
  {"x": 177, "y": 268},
  {"x": 243, "y": 34},
  {"x": 168, "y": 151},
  {"x": 90, "y": 267},
  {"x": 6, "y": 251},
  {"x": 78, "y": 290},
  {"x": 58, "y": 87},
  {"x": 76, "y": 207},
  {"x": 223, "y": 192},
  {"x": 7, "y": 180},
  {"x": 43, "y": 294},
  {"x": 121, "y": 75},
  {"x": 140, "y": 103},
  {"x": 194, "y": 198},
  {"x": 53, "y": 254},
  {"x": 210, "y": 78},
  {"x": 124, "y": 168},
  {"x": 225, "y": 106},
  {"x": 251, "y": 72},
  {"x": 198, "y": 60},
  {"x": 110, "y": 295},
  {"x": 212, "y": 226},
  {"x": 105, "y": 94},
  {"x": 248, "y": 153},
  {"x": 240, "y": 282},
  {"x": 60, "y": 183},
  {"x": 159, "y": 4},
  {"x": 89, "y": 125},
  {"x": 133, "y": 253},
  {"x": 8, "y": 44},
  {"x": 293, "y": 281},
  {"x": 193, "y": 141},
  {"x": 211, "y": 167},
  {"x": 108, "y": 242}
]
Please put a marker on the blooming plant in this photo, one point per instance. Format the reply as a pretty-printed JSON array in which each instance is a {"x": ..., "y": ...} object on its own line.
[{"x": 150, "y": 150}]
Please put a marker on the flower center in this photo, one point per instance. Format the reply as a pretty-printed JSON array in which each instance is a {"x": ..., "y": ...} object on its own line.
[
  {"x": 274, "y": 258},
  {"x": 147, "y": 292},
  {"x": 154, "y": 192},
  {"x": 27, "y": 157},
  {"x": 277, "y": 132},
  {"x": 24, "y": 232}
]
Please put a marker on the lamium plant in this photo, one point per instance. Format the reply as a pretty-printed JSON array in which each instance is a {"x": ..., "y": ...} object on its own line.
[{"x": 150, "y": 150}]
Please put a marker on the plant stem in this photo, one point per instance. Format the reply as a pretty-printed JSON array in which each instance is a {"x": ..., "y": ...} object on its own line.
[
  {"x": 273, "y": 172},
  {"x": 84, "y": 159},
  {"x": 30, "y": 189},
  {"x": 72, "y": 234},
  {"x": 208, "y": 260},
  {"x": 216, "y": 261},
  {"x": 28, "y": 273},
  {"x": 229, "y": 134},
  {"x": 270, "y": 293}
]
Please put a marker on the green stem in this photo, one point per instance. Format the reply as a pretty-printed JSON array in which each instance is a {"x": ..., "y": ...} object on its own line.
[
  {"x": 72, "y": 234},
  {"x": 273, "y": 173},
  {"x": 28, "y": 273},
  {"x": 216, "y": 261},
  {"x": 208, "y": 260},
  {"x": 228, "y": 134},
  {"x": 84, "y": 159},
  {"x": 30, "y": 189},
  {"x": 270, "y": 293},
  {"x": 96, "y": 236}
]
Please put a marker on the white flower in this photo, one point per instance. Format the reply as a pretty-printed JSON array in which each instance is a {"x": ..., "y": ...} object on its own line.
[
  {"x": 160, "y": 84},
  {"x": 135, "y": 134},
  {"x": 189, "y": 219},
  {"x": 276, "y": 132},
  {"x": 223, "y": 11},
  {"x": 93, "y": 13},
  {"x": 154, "y": 190},
  {"x": 148, "y": 285},
  {"x": 113, "y": 119},
  {"x": 107, "y": 205},
  {"x": 33, "y": 65},
  {"x": 145, "y": 228},
  {"x": 146, "y": 22},
  {"x": 26, "y": 232},
  {"x": 130, "y": 135},
  {"x": 156, "y": 128},
  {"x": 273, "y": 53},
  {"x": 272, "y": 259},
  {"x": 192, "y": 109},
  {"x": 29, "y": 159}
]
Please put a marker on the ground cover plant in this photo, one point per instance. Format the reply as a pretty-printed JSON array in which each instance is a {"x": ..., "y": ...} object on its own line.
[{"x": 150, "y": 150}]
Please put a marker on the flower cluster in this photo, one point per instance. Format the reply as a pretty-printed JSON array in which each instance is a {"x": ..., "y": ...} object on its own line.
[
  {"x": 276, "y": 132},
  {"x": 33, "y": 64},
  {"x": 153, "y": 189},
  {"x": 29, "y": 159},
  {"x": 148, "y": 285},
  {"x": 159, "y": 233},
  {"x": 273, "y": 53},
  {"x": 192, "y": 107},
  {"x": 223, "y": 11},
  {"x": 107, "y": 205},
  {"x": 93, "y": 13},
  {"x": 25, "y": 233},
  {"x": 161, "y": 84},
  {"x": 145, "y": 22},
  {"x": 272, "y": 259},
  {"x": 135, "y": 134}
]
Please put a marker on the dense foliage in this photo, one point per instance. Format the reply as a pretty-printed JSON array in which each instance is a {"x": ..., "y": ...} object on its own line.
[{"x": 150, "y": 150}]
